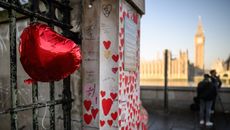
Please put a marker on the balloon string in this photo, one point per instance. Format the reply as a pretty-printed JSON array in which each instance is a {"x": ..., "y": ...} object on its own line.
[{"x": 43, "y": 118}]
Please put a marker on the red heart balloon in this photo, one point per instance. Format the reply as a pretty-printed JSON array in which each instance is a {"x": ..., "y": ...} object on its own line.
[{"x": 46, "y": 55}]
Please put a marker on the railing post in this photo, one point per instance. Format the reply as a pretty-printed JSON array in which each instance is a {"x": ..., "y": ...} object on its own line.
[
  {"x": 13, "y": 67},
  {"x": 35, "y": 110},
  {"x": 66, "y": 94},
  {"x": 66, "y": 106},
  {"x": 34, "y": 8},
  {"x": 166, "y": 80},
  {"x": 52, "y": 107},
  {"x": 51, "y": 84}
]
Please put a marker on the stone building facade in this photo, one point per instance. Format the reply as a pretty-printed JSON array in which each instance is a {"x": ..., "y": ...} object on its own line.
[
  {"x": 179, "y": 70},
  {"x": 222, "y": 69}
]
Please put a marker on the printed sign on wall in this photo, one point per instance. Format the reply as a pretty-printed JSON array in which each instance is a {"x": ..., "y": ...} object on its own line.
[{"x": 130, "y": 37}]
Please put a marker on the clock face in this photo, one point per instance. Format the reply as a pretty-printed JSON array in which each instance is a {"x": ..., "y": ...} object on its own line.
[{"x": 199, "y": 40}]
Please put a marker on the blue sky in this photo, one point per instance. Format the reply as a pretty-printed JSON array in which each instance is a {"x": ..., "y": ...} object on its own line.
[{"x": 172, "y": 24}]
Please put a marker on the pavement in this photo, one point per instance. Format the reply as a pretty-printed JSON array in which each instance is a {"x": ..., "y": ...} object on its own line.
[{"x": 180, "y": 117}]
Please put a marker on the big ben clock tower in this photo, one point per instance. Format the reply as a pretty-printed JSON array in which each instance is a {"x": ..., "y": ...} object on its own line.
[{"x": 199, "y": 40}]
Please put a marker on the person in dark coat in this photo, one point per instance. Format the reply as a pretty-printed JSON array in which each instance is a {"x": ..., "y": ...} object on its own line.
[
  {"x": 217, "y": 83},
  {"x": 206, "y": 92}
]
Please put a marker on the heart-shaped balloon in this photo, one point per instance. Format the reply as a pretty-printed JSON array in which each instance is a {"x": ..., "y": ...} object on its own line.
[{"x": 46, "y": 55}]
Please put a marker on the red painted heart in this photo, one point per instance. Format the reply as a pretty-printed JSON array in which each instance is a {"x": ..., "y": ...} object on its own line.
[
  {"x": 119, "y": 111},
  {"x": 106, "y": 105},
  {"x": 120, "y": 84},
  {"x": 115, "y": 58},
  {"x": 135, "y": 18},
  {"x": 114, "y": 115},
  {"x": 133, "y": 79},
  {"x": 46, "y": 55},
  {"x": 127, "y": 89},
  {"x": 87, "y": 118},
  {"x": 131, "y": 96},
  {"x": 102, "y": 122},
  {"x": 114, "y": 70},
  {"x": 131, "y": 88},
  {"x": 107, "y": 44},
  {"x": 113, "y": 95},
  {"x": 138, "y": 125},
  {"x": 121, "y": 19},
  {"x": 122, "y": 42},
  {"x": 121, "y": 54},
  {"x": 87, "y": 104},
  {"x": 126, "y": 80},
  {"x": 120, "y": 49},
  {"x": 119, "y": 122},
  {"x": 128, "y": 15},
  {"x": 94, "y": 112},
  {"x": 110, "y": 122},
  {"x": 120, "y": 76},
  {"x": 124, "y": 14},
  {"x": 102, "y": 93},
  {"x": 119, "y": 92},
  {"x": 122, "y": 30}
]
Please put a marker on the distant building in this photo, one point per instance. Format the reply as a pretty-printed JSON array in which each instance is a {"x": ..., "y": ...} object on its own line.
[
  {"x": 199, "y": 40},
  {"x": 227, "y": 63},
  {"x": 180, "y": 70},
  {"x": 152, "y": 72},
  {"x": 222, "y": 69},
  {"x": 218, "y": 65}
]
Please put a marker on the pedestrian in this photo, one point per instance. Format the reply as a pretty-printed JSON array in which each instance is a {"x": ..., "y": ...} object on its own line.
[
  {"x": 217, "y": 83},
  {"x": 206, "y": 93}
]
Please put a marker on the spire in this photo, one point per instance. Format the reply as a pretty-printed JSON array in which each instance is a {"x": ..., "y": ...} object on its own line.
[
  {"x": 199, "y": 27},
  {"x": 200, "y": 21}
]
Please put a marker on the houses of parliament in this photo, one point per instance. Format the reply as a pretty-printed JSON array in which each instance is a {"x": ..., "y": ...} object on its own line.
[{"x": 180, "y": 70}]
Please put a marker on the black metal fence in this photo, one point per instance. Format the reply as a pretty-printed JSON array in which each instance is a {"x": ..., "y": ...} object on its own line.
[{"x": 55, "y": 13}]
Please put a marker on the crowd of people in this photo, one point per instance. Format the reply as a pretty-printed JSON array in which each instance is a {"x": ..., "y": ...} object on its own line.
[{"x": 207, "y": 92}]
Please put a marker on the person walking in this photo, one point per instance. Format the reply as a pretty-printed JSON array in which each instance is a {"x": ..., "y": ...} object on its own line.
[
  {"x": 206, "y": 92},
  {"x": 217, "y": 83}
]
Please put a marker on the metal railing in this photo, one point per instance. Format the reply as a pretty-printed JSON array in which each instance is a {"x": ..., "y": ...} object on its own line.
[
  {"x": 33, "y": 12},
  {"x": 178, "y": 88}
]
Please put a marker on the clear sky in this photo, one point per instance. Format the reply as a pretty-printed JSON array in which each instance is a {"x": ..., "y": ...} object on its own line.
[{"x": 172, "y": 24}]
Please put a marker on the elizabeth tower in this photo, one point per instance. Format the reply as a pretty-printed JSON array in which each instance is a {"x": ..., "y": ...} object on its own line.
[{"x": 199, "y": 40}]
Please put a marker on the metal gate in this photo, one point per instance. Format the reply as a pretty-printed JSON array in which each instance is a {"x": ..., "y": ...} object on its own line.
[{"x": 58, "y": 14}]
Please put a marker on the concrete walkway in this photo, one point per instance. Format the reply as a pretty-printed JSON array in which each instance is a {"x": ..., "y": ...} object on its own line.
[{"x": 181, "y": 118}]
